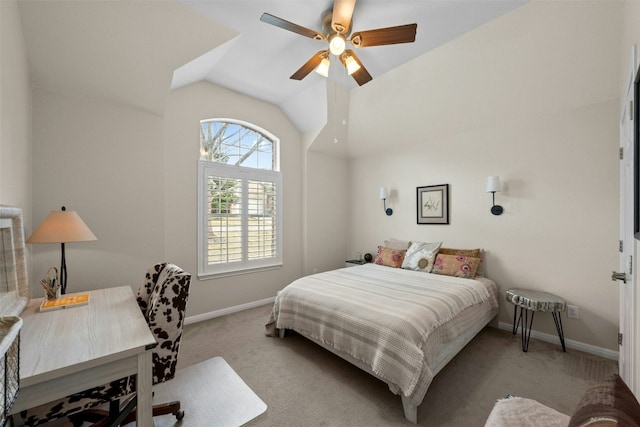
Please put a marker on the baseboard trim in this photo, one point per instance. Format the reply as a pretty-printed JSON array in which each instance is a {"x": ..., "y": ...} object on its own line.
[
  {"x": 229, "y": 310},
  {"x": 576, "y": 345}
]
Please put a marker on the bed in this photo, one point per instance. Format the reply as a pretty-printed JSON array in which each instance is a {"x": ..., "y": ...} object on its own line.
[{"x": 402, "y": 326}]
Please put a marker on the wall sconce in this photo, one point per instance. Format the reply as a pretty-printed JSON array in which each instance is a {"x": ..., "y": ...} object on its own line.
[
  {"x": 493, "y": 187},
  {"x": 384, "y": 195}
]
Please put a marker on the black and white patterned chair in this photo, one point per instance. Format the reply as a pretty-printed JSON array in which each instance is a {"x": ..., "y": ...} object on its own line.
[{"x": 163, "y": 300}]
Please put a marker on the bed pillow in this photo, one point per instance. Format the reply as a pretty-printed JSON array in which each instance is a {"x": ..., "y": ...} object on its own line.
[
  {"x": 456, "y": 265},
  {"x": 389, "y": 257},
  {"x": 476, "y": 253},
  {"x": 464, "y": 252},
  {"x": 609, "y": 403},
  {"x": 420, "y": 256},
  {"x": 397, "y": 244}
]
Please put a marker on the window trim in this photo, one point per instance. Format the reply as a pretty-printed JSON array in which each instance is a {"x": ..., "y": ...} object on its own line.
[{"x": 206, "y": 169}]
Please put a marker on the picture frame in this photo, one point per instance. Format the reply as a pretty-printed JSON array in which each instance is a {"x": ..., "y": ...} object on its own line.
[{"x": 432, "y": 202}]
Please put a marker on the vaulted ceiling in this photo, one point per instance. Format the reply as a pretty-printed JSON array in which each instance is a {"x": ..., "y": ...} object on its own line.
[{"x": 135, "y": 51}]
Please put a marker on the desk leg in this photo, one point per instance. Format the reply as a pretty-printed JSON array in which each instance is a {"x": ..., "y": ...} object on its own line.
[{"x": 144, "y": 393}]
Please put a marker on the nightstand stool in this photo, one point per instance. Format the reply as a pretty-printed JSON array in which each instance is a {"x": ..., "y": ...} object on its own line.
[{"x": 531, "y": 301}]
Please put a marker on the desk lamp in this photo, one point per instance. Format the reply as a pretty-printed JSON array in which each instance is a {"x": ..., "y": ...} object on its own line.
[{"x": 62, "y": 227}]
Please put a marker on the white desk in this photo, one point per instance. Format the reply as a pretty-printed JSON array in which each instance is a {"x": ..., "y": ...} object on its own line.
[{"x": 70, "y": 350}]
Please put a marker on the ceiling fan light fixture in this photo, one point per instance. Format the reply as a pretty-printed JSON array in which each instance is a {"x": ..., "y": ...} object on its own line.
[
  {"x": 351, "y": 64},
  {"x": 337, "y": 44},
  {"x": 336, "y": 24},
  {"x": 323, "y": 67}
]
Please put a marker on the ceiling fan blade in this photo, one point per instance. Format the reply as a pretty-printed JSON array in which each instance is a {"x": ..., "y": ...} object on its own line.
[
  {"x": 384, "y": 36},
  {"x": 290, "y": 26},
  {"x": 342, "y": 14},
  {"x": 361, "y": 76},
  {"x": 309, "y": 66}
]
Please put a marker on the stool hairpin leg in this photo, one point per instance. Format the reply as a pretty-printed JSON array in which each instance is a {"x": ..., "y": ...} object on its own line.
[
  {"x": 558, "y": 321},
  {"x": 515, "y": 325},
  {"x": 526, "y": 334}
]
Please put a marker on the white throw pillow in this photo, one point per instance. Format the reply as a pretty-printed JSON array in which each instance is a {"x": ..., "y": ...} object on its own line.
[{"x": 420, "y": 256}]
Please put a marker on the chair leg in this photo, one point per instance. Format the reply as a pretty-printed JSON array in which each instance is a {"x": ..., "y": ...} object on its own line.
[
  {"x": 89, "y": 415},
  {"x": 101, "y": 418},
  {"x": 172, "y": 408},
  {"x": 125, "y": 412},
  {"x": 124, "y": 416},
  {"x": 169, "y": 408}
]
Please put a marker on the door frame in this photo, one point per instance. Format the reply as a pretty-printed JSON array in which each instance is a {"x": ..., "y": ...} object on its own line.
[{"x": 628, "y": 227}]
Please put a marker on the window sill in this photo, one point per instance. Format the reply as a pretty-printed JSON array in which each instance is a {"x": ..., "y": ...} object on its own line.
[{"x": 211, "y": 276}]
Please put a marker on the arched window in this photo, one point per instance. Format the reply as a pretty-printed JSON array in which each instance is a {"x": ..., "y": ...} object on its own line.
[{"x": 239, "y": 199}]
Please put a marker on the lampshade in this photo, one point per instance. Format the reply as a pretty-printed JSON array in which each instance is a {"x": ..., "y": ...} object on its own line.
[
  {"x": 493, "y": 184},
  {"x": 384, "y": 193},
  {"x": 337, "y": 44},
  {"x": 352, "y": 64},
  {"x": 62, "y": 227},
  {"x": 323, "y": 68}
]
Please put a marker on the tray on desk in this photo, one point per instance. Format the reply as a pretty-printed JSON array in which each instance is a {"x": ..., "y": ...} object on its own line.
[{"x": 64, "y": 301}]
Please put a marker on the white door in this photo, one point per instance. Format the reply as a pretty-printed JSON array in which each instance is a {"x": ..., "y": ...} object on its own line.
[{"x": 627, "y": 285}]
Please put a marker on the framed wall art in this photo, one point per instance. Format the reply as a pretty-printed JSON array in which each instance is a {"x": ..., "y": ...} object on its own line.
[{"x": 433, "y": 204}]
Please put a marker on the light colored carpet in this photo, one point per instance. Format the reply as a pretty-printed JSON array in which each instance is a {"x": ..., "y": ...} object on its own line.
[
  {"x": 211, "y": 394},
  {"x": 305, "y": 385}
]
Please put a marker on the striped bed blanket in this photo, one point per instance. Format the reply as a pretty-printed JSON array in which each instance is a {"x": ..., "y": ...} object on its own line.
[{"x": 380, "y": 316}]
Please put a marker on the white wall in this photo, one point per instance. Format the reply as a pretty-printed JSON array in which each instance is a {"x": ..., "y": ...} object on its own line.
[
  {"x": 186, "y": 107},
  {"x": 105, "y": 161},
  {"x": 15, "y": 113},
  {"x": 532, "y": 97},
  {"x": 326, "y": 189},
  {"x": 327, "y": 210}
]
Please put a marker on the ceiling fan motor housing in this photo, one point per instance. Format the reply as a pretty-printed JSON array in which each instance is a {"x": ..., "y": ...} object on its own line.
[{"x": 327, "y": 30}]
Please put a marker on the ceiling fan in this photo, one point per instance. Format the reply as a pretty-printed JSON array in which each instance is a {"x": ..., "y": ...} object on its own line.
[{"x": 336, "y": 30}]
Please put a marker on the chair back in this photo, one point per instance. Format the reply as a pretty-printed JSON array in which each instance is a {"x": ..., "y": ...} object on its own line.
[{"x": 163, "y": 297}]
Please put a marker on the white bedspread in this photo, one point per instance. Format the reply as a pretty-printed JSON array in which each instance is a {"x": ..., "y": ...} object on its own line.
[{"x": 379, "y": 315}]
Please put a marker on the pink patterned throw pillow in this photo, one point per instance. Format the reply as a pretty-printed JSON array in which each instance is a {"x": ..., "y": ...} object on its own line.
[
  {"x": 390, "y": 257},
  {"x": 456, "y": 265}
]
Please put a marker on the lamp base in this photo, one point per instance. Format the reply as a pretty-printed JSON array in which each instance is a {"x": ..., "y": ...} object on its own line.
[{"x": 497, "y": 210}]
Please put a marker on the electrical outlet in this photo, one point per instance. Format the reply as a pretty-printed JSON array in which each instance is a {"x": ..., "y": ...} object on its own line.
[{"x": 573, "y": 312}]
